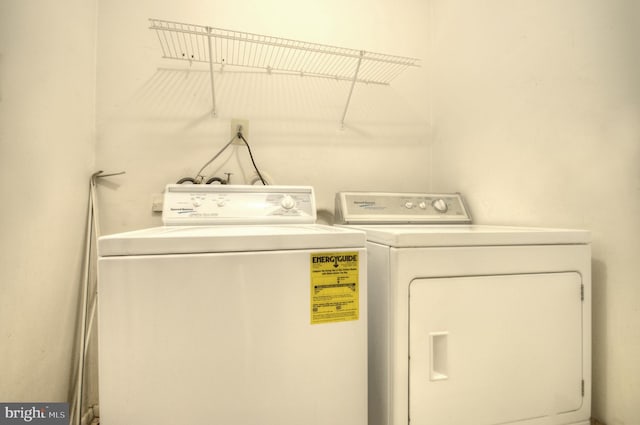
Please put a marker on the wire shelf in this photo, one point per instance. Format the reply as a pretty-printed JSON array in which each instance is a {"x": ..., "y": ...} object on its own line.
[{"x": 215, "y": 46}]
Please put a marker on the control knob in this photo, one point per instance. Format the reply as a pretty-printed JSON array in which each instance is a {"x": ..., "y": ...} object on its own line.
[
  {"x": 287, "y": 202},
  {"x": 440, "y": 205}
]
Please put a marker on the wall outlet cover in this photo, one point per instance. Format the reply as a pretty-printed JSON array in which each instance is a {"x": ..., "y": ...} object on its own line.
[{"x": 244, "y": 124}]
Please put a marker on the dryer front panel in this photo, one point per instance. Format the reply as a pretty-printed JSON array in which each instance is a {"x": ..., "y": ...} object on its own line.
[{"x": 507, "y": 347}]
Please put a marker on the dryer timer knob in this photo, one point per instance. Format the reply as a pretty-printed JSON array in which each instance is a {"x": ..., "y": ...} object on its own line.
[{"x": 440, "y": 205}]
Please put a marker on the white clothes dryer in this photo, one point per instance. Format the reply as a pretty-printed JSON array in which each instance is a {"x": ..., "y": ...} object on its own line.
[
  {"x": 472, "y": 324},
  {"x": 239, "y": 311}
]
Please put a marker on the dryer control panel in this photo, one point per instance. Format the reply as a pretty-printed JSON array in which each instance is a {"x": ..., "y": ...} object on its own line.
[
  {"x": 386, "y": 207},
  {"x": 204, "y": 204}
]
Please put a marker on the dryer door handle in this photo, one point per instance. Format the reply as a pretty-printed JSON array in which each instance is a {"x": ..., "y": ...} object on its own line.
[{"x": 439, "y": 364}]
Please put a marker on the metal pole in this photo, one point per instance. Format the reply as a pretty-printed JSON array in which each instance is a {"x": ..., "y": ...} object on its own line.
[
  {"x": 353, "y": 83},
  {"x": 213, "y": 89}
]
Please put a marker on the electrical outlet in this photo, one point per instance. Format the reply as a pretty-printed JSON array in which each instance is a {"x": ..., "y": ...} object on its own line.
[
  {"x": 237, "y": 123},
  {"x": 157, "y": 199}
]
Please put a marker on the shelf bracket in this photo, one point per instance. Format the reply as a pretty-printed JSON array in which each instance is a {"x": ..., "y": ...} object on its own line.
[
  {"x": 353, "y": 84},
  {"x": 214, "y": 112}
]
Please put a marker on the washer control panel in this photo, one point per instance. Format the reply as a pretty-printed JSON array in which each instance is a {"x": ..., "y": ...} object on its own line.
[
  {"x": 198, "y": 204},
  {"x": 383, "y": 207}
]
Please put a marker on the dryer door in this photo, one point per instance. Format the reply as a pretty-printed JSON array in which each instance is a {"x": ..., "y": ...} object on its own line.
[{"x": 508, "y": 348}]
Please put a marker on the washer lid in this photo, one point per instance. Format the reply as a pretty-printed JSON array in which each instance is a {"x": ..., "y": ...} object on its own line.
[
  {"x": 228, "y": 238},
  {"x": 469, "y": 235}
]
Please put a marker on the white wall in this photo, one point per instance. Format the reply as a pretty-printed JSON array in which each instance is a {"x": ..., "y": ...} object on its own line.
[
  {"x": 154, "y": 122},
  {"x": 537, "y": 121},
  {"x": 47, "y": 86}
]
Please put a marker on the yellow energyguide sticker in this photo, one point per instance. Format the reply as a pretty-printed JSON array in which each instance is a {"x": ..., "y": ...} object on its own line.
[{"x": 334, "y": 287}]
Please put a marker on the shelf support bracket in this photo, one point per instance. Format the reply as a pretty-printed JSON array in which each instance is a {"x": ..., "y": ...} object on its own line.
[
  {"x": 353, "y": 83},
  {"x": 214, "y": 112}
]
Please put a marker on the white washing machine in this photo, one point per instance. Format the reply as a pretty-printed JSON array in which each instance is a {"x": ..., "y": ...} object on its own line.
[
  {"x": 239, "y": 311},
  {"x": 472, "y": 324}
]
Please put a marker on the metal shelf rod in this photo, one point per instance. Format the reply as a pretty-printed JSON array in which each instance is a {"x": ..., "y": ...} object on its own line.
[
  {"x": 353, "y": 83},
  {"x": 213, "y": 86}
]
